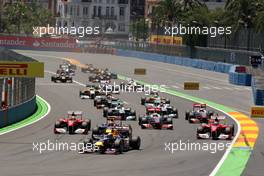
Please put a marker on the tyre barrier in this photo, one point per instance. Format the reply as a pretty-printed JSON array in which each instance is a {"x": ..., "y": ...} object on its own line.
[
  {"x": 17, "y": 113},
  {"x": 258, "y": 90},
  {"x": 184, "y": 61}
]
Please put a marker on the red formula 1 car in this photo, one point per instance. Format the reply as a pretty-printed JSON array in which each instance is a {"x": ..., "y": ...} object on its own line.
[
  {"x": 73, "y": 124},
  {"x": 216, "y": 129},
  {"x": 199, "y": 114},
  {"x": 155, "y": 121}
]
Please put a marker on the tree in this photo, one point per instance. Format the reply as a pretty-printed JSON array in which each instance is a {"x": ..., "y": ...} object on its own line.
[
  {"x": 22, "y": 17},
  {"x": 242, "y": 12},
  {"x": 190, "y": 4},
  {"x": 167, "y": 11},
  {"x": 139, "y": 29}
]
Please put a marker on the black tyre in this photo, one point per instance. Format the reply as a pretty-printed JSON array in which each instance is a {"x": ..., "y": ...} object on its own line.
[
  {"x": 135, "y": 143},
  {"x": 119, "y": 146},
  {"x": 139, "y": 120},
  {"x": 187, "y": 115},
  {"x": 143, "y": 100},
  {"x": 57, "y": 124},
  {"x": 169, "y": 121},
  {"x": 200, "y": 129},
  {"x": 95, "y": 131}
]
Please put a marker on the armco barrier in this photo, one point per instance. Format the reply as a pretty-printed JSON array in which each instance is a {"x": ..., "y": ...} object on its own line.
[
  {"x": 243, "y": 79},
  {"x": 196, "y": 63},
  {"x": 17, "y": 113}
]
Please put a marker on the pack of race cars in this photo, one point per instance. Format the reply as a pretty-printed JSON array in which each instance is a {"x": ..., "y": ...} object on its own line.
[{"x": 116, "y": 137}]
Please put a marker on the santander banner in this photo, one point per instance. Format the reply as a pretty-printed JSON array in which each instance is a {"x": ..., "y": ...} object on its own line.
[{"x": 37, "y": 43}]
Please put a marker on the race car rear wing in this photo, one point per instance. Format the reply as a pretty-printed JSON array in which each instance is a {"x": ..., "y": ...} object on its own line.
[
  {"x": 218, "y": 117},
  {"x": 198, "y": 105},
  {"x": 76, "y": 113}
]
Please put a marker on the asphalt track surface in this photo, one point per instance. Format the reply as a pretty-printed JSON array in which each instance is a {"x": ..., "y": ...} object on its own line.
[{"x": 18, "y": 158}]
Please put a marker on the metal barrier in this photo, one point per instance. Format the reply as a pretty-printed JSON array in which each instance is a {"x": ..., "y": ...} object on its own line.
[
  {"x": 15, "y": 91},
  {"x": 239, "y": 57}
]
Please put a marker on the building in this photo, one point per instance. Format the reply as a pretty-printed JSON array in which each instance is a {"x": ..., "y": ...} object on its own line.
[
  {"x": 105, "y": 14},
  {"x": 137, "y": 9}
]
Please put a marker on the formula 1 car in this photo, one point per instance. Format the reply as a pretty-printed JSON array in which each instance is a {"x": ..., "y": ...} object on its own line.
[
  {"x": 90, "y": 92},
  {"x": 113, "y": 141},
  {"x": 120, "y": 112},
  {"x": 99, "y": 79},
  {"x": 61, "y": 76},
  {"x": 69, "y": 68},
  {"x": 106, "y": 101},
  {"x": 131, "y": 86},
  {"x": 155, "y": 121},
  {"x": 163, "y": 109},
  {"x": 215, "y": 129},
  {"x": 88, "y": 68},
  {"x": 111, "y": 122},
  {"x": 199, "y": 114},
  {"x": 154, "y": 99},
  {"x": 72, "y": 124}
]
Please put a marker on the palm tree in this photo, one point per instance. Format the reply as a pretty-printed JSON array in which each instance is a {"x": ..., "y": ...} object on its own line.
[
  {"x": 190, "y": 4},
  {"x": 167, "y": 11},
  {"x": 242, "y": 12},
  {"x": 259, "y": 22}
]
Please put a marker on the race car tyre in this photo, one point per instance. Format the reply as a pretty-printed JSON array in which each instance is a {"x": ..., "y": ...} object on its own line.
[
  {"x": 143, "y": 100},
  {"x": 135, "y": 143},
  {"x": 176, "y": 112},
  {"x": 105, "y": 112},
  {"x": 233, "y": 130},
  {"x": 228, "y": 130},
  {"x": 200, "y": 129},
  {"x": 95, "y": 131},
  {"x": 57, "y": 124},
  {"x": 167, "y": 101},
  {"x": 119, "y": 145},
  {"x": 169, "y": 121},
  {"x": 144, "y": 120},
  {"x": 133, "y": 113},
  {"x": 187, "y": 114},
  {"x": 140, "y": 120}
]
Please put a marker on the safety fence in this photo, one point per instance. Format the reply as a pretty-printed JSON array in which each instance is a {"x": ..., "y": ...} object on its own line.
[
  {"x": 184, "y": 61},
  {"x": 239, "y": 57}
]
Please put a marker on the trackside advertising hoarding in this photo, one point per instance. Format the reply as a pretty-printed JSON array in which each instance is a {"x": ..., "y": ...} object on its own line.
[
  {"x": 38, "y": 43},
  {"x": 21, "y": 69}
]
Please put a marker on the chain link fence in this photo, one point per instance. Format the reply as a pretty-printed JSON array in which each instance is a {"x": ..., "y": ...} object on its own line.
[{"x": 240, "y": 57}]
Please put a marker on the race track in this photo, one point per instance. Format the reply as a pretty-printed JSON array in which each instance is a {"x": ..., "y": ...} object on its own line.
[{"x": 17, "y": 157}]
